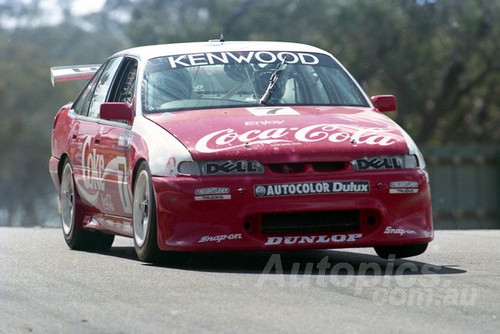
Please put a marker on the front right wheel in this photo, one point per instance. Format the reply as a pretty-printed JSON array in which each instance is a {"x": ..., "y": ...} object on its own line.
[{"x": 144, "y": 216}]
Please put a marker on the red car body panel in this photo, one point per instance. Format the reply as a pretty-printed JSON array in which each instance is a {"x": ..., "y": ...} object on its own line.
[
  {"x": 313, "y": 134},
  {"x": 384, "y": 219}
]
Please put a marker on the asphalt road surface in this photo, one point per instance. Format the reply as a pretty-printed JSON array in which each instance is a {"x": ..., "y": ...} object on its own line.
[{"x": 46, "y": 288}]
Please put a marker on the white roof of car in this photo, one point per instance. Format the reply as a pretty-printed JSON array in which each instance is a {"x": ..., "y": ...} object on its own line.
[{"x": 154, "y": 51}]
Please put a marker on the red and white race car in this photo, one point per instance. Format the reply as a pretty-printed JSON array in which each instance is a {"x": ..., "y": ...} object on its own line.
[{"x": 235, "y": 146}]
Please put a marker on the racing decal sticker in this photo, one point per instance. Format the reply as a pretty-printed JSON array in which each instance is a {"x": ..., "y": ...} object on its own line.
[
  {"x": 222, "y": 237},
  {"x": 125, "y": 141},
  {"x": 170, "y": 169},
  {"x": 211, "y": 191},
  {"x": 403, "y": 191},
  {"x": 313, "y": 239},
  {"x": 404, "y": 184},
  {"x": 403, "y": 187},
  {"x": 212, "y": 197},
  {"x": 263, "y": 123},
  {"x": 230, "y": 139},
  {"x": 390, "y": 230},
  {"x": 271, "y": 111},
  {"x": 95, "y": 172},
  {"x": 379, "y": 163},
  {"x": 311, "y": 188},
  {"x": 266, "y": 57},
  {"x": 212, "y": 194},
  {"x": 232, "y": 167}
]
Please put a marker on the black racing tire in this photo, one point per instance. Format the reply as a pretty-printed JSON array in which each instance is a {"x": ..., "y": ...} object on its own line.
[
  {"x": 144, "y": 216},
  {"x": 72, "y": 216},
  {"x": 399, "y": 252}
]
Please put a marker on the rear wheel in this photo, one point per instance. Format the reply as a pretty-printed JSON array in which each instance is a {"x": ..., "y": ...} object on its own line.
[
  {"x": 144, "y": 216},
  {"x": 401, "y": 251},
  {"x": 72, "y": 216}
]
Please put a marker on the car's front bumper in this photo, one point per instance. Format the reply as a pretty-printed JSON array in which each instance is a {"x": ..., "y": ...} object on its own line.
[{"x": 224, "y": 213}]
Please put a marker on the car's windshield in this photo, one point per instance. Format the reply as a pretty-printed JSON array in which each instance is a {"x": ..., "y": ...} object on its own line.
[{"x": 236, "y": 79}]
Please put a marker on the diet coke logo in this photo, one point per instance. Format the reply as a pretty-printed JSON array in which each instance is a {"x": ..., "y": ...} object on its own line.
[{"x": 228, "y": 139}]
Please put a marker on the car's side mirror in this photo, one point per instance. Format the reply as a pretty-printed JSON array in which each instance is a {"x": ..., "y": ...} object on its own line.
[
  {"x": 117, "y": 111},
  {"x": 385, "y": 103}
]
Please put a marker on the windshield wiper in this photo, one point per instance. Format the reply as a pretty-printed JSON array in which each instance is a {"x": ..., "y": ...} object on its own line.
[{"x": 272, "y": 83}]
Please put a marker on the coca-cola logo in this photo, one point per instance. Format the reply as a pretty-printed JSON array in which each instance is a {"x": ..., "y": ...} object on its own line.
[
  {"x": 92, "y": 167},
  {"x": 229, "y": 139},
  {"x": 95, "y": 170}
]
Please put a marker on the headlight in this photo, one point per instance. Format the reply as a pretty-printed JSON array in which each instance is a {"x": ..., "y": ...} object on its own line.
[
  {"x": 386, "y": 162},
  {"x": 224, "y": 167}
]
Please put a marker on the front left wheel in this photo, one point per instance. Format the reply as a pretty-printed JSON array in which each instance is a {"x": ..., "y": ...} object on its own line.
[
  {"x": 144, "y": 216},
  {"x": 72, "y": 216}
]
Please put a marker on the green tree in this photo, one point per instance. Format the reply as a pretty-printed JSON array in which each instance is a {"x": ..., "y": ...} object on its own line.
[
  {"x": 28, "y": 104},
  {"x": 438, "y": 58},
  {"x": 23, "y": 132}
]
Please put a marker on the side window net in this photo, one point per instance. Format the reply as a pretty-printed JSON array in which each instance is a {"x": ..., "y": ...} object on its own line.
[{"x": 125, "y": 90}]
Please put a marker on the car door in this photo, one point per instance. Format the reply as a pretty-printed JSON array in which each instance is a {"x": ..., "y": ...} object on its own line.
[
  {"x": 114, "y": 143},
  {"x": 86, "y": 154}
]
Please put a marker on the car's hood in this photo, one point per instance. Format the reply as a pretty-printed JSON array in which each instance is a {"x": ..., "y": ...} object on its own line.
[{"x": 284, "y": 134}]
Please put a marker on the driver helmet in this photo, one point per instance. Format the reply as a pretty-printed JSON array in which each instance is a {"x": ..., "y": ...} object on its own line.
[{"x": 171, "y": 85}]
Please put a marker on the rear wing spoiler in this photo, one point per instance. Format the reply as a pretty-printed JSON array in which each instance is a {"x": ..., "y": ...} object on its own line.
[{"x": 75, "y": 72}]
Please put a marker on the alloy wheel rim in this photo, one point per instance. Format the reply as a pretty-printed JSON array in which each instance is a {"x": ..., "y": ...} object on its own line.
[
  {"x": 141, "y": 208},
  {"x": 67, "y": 200}
]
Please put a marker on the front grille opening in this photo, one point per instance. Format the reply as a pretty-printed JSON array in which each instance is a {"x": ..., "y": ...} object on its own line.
[
  {"x": 299, "y": 167},
  {"x": 328, "y": 166},
  {"x": 310, "y": 222},
  {"x": 287, "y": 167}
]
